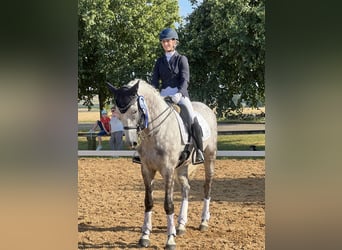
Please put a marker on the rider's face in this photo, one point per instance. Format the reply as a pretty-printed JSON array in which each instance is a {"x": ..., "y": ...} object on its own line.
[{"x": 168, "y": 44}]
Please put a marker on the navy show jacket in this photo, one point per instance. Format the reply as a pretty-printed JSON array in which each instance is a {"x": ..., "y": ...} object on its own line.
[{"x": 174, "y": 73}]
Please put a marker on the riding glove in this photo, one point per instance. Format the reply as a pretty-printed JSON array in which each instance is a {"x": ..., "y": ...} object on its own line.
[{"x": 176, "y": 97}]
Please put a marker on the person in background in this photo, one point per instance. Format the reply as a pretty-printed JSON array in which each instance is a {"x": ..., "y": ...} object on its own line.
[
  {"x": 104, "y": 125},
  {"x": 116, "y": 131}
]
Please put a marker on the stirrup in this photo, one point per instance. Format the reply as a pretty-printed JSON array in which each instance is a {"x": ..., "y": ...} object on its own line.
[
  {"x": 136, "y": 159},
  {"x": 199, "y": 158}
]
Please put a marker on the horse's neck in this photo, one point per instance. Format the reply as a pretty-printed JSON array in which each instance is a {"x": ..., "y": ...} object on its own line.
[
  {"x": 158, "y": 110},
  {"x": 156, "y": 107}
]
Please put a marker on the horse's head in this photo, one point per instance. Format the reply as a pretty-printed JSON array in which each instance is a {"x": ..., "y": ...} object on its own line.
[{"x": 131, "y": 113}]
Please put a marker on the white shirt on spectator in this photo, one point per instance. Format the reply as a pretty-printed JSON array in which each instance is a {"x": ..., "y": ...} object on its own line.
[{"x": 115, "y": 124}]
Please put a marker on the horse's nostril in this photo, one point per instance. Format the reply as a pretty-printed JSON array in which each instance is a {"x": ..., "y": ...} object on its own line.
[{"x": 135, "y": 143}]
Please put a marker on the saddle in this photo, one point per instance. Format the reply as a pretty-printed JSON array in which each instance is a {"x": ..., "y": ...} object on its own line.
[
  {"x": 186, "y": 118},
  {"x": 183, "y": 113}
]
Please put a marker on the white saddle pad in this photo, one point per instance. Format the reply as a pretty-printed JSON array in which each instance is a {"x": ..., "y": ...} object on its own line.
[{"x": 203, "y": 123}]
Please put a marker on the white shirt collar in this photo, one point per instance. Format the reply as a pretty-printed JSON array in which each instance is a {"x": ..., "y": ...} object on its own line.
[{"x": 169, "y": 55}]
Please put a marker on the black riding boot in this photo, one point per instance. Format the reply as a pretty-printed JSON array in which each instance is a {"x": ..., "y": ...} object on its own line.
[
  {"x": 136, "y": 158},
  {"x": 198, "y": 143}
]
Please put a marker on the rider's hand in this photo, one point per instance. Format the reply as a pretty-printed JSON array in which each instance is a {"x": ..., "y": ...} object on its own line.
[{"x": 176, "y": 97}]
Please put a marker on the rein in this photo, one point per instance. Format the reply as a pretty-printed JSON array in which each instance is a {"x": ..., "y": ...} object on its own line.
[
  {"x": 140, "y": 129},
  {"x": 167, "y": 116}
]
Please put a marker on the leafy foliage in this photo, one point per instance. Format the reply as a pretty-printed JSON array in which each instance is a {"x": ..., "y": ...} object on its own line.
[
  {"x": 224, "y": 41},
  {"x": 118, "y": 41},
  {"x": 225, "y": 44}
]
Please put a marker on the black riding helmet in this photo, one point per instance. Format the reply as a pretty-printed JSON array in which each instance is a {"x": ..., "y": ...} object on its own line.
[{"x": 168, "y": 34}]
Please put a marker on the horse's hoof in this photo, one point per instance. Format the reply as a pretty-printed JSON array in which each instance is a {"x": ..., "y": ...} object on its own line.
[
  {"x": 181, "y": 229},
  {"x": 180, "y": 232},
  {"x": 144, "y": 242},
  {"x": 171, "y": 243},
  {"x": 170, "y": 247},
  {"x": 204, "y": 226}
]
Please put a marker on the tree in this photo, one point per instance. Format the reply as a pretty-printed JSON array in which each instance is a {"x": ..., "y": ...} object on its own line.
[
  {"x": 118, "y": 41},
  {"x": 225, "y": 44}
]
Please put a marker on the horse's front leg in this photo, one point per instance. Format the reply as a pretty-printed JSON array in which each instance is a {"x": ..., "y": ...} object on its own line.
[
  {"x": 148, "y": 176},
  {"x": 183, "y": 213},
  {"x": 169, "y": 210}
]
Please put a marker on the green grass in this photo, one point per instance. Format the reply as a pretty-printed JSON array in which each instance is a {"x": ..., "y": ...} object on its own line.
[
  {"x": 241, "y": 142},
  {"x": 225, "y": 142},
  {"x": 83, "y": 143}
]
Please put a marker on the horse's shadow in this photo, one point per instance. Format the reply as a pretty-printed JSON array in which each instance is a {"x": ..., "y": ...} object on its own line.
[
  {"x": 83, "y": 227},
  {"x": 239, "y": 190},
  {"x": 223, "y": 190},
  {"x": 106, "y": 245}
]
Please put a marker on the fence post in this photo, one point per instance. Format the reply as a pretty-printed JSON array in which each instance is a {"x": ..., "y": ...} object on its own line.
[{"x": 91, "y": 138}]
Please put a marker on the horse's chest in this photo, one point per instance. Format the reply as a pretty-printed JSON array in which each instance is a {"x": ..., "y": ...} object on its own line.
[{"x": 152, "y": 151}]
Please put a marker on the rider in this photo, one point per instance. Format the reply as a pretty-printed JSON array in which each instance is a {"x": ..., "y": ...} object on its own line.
[{"x": 172, "y": 71}]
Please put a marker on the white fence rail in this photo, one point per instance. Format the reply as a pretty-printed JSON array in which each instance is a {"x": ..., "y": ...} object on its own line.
[{"x": 110, "y": 153}]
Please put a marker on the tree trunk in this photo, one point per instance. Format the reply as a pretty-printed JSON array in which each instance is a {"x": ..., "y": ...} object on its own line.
[{"x": 101, "y": 102}]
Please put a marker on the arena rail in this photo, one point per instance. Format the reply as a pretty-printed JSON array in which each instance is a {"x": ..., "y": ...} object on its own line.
[{"x": 112, "y": 153}]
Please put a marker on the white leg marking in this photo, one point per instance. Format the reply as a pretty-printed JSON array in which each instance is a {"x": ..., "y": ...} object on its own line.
[
  {"x": 183, "y": 215},
  {"x": 171, "y": 229},
  {"x": 147, "y": 226},
  {"x": 205, "y": 211}
]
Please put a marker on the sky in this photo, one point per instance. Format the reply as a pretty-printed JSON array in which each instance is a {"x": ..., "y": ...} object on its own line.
[{"x": 184, "y": 8}]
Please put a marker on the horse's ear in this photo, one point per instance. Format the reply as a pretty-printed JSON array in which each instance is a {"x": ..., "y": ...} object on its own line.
[
  {"x": 112, "y": 88},
  {"x": 135, "y": 87}
]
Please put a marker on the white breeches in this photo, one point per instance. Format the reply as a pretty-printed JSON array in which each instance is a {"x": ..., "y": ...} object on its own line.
[{"x": 184, "y": 100}]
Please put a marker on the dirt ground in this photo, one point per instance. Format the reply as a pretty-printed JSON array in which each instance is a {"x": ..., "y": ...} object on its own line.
[{"x": 111, "y": 206}]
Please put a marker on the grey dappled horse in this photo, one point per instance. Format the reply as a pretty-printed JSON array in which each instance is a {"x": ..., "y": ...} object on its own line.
[{"x": 151, "y": 125}]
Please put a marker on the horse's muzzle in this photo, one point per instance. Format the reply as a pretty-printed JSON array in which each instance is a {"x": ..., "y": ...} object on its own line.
[{"x": 134, "y": 145}]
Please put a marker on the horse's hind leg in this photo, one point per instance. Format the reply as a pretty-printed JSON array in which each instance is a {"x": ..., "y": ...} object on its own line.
[
  {"x": 148, "y": 176},
  {"x": 209, "y": 164},
  {"x": 183, "y": 213}
]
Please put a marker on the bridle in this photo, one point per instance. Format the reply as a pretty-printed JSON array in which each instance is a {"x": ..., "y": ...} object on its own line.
[{"x": 143, "y": 121}]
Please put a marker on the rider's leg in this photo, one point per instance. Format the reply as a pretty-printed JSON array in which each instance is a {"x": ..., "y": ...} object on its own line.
[
  {"x": 196, "y": 130},
  {"x": 197, "y": 136},
  {"x": 136, "y": 158}
]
